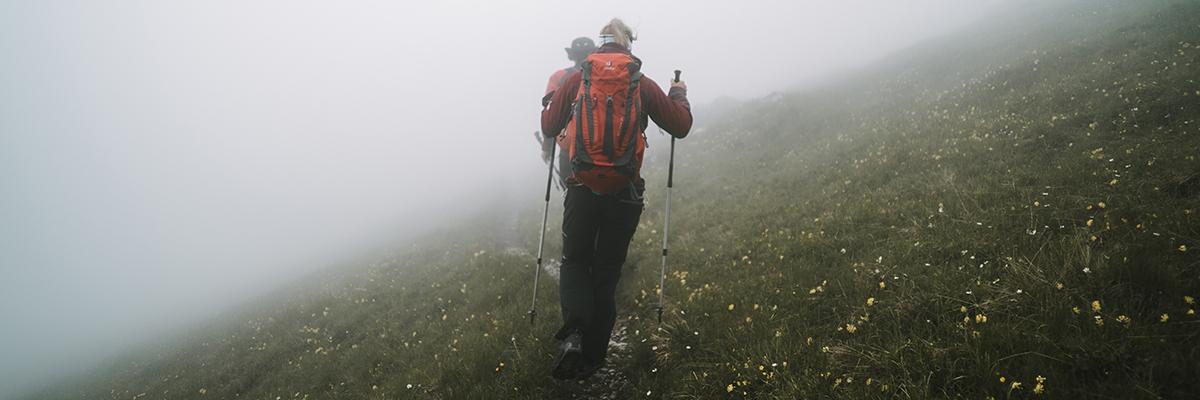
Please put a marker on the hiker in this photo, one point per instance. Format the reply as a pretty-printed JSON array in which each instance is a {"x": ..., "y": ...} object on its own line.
[
  {"x": 604, "y": 108},
  {"x": 580, "y": 48}
]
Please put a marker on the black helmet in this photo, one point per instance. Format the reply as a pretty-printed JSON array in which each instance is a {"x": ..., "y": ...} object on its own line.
[{"x": 580, "y": 48}]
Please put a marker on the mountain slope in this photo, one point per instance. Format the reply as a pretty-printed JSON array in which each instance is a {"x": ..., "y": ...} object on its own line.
[{"x": 1010, "y": 212}]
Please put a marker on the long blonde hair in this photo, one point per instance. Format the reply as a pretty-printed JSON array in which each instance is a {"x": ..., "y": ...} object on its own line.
[{"x": 621, "y": 33}]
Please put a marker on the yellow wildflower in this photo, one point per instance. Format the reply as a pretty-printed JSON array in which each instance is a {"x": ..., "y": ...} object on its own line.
[
  {"x": 1188, "y": 299},
  {"x": 980, "y": 318},
  {"x": 1075, "y": 310},
  {"x": 1002, "y": 379},
  {"x": 851, "y": 328},
  {"x": 1099, "y": 321},
  {"x": 730, "y": 306},
  {"x": 1058, "y": 285},
  {"x": 1164, "y": 317},
  {"x": 1016, "y": 385},
  {"x": 1090, "y": 222},
  {"x": 729, "y": 388},
  {"x": 882, "y": 285},
  {"x": 1101, "y": 205},
  {"x": 1095, "y": 305},
  {"x": 1191, "y": 311},
  {"x": 962, "y": 309},
  {"x": 870, "y": 301},
  {"x": 1183, "y": 248}
]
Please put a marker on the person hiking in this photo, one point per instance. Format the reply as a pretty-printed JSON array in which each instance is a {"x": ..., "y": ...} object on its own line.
[
  {"x": 580, "y": 48},
  {"x": 604, "y": 108}
]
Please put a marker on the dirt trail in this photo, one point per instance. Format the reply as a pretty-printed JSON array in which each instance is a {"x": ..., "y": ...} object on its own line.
[{"x": 610, "y": 381}]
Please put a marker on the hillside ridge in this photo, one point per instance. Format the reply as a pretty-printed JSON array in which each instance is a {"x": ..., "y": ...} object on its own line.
[{"x": 1011, "y": 219}]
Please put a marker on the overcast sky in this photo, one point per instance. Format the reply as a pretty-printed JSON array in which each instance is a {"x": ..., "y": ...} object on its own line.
[{"x": 163, "y": 160}]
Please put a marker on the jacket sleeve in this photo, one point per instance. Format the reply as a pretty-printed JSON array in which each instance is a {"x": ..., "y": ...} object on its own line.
[
  {"x": 671, "y": 112},
  {"x": 557, "y": 112},
  {"x": 552, "y": 86}
]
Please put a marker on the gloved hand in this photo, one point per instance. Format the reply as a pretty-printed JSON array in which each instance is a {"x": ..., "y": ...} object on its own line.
[{"x": 547, "y": 145}]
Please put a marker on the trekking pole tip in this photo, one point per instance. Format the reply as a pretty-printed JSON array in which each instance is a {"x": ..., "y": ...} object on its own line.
[{"x": 532, "y": 314}]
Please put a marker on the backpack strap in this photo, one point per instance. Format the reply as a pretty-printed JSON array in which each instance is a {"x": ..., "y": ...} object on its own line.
[
  {"x": 631, "y": 109},
  {"x": 583, "y": 102}
]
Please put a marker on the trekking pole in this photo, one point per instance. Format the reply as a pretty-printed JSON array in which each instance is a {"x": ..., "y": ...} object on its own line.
[
  {"x": 662, "y": 277},
  {"x": 542, "y": 238}
]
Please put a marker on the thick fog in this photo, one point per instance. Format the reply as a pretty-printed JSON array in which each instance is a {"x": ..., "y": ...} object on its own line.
[{"x": 161, "y": 161}]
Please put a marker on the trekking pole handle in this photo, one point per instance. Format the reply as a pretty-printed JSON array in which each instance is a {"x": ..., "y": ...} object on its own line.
[{"x": 671, "y": 164}]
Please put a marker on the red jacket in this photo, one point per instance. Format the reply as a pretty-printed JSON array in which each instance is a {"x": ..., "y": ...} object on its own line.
[
  {"x": 557, "y": 80},
  {"x": 671, "y": 112}
]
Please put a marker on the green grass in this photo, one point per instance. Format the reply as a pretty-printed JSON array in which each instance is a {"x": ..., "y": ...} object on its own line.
[{"x": 920, "y": 230}]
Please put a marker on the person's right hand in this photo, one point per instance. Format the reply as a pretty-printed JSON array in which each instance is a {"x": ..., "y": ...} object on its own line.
[{"x": 679, "y": 84}]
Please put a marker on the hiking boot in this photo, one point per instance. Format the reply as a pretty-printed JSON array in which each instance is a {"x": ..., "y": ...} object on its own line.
[
  {"x": 587, "y": 369},
  {"x": 569, "y": 357}
]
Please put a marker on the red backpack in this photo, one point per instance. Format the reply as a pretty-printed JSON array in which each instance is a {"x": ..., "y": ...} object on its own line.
[{"x": 604, "y": 137}]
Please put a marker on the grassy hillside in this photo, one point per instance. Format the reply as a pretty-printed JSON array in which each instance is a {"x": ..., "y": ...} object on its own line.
[{"x": 1006, "y": 213}]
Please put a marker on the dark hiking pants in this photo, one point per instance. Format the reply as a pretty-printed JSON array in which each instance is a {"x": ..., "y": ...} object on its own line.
[{"x": 596, "y": 234}]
